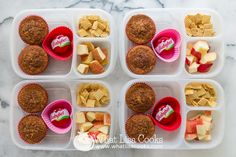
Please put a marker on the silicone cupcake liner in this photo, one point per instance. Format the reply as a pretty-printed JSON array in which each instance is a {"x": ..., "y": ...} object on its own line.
[
  {"x": 61, "y": 30},
  {"x": 173, "y": 34},
  {"x": 174, "y": 103},
  {"x": 46, "y": 115}
]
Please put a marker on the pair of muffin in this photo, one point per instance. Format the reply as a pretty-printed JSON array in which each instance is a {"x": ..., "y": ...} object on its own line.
[
  {"x": 140, "y": 98},
  {"x": 33, "y": 59},
  {"x": 32, "y": 98},
  {"x": 140, "y": 29}
]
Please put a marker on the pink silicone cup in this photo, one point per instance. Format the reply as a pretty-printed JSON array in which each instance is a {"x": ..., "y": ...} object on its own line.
[
  {"x": 48, "y": 109},
  {"x": 62, "y": 30},
  {"x": 176, "y": 107},
  {"x": 174, "y": 34}
]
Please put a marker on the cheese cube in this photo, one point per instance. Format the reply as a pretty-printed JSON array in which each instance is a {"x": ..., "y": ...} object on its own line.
[
  {"x": 82, "y": 50},
  {"x": 86, "y": 59},
  {"x": 99, "y": 116},
  {"x": 80, "y": 117},
  {"x": 90, "y": 116},
  {"x": 98, "y": 55},
  {"x": 83, "y": 68},
  {"x": 85, "y": 126},
  {"x": 96, "y": 67},
  {"x": 107, "y": 119},
  {"x": 89, "y": 45}
]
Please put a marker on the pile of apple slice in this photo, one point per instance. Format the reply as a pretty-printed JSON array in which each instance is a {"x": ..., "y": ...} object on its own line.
[
  {"x": 199, "y": 58},
  {"x": 199, "y": 127}
]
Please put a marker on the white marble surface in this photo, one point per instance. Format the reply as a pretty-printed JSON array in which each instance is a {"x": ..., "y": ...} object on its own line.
[{"x": 117, "y": 8}]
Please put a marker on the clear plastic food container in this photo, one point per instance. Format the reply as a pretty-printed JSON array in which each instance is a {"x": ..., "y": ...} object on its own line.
[
  {"x": 174, "y": 18},
  {"x": 57, "y": 90},
  {"x": 176, "y": 139},
  {"x": 69, "y": 18}
]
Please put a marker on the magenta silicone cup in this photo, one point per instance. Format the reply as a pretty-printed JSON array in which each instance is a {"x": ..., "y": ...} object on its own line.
[
  {"x": 174, "y": 53},
  {"x": 47, "y": 111}
]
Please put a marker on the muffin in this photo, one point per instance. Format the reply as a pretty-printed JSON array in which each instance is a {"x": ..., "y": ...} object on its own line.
[
  {"x": 140, "y": 97},
  {"x": 139, "y": 127},
  {"x": 33, "y": 60},
  {"x": 33, "y": 98},
  {"x": 140, "y": 29},
  {"x": 32, "y": 129},
  {"x": 141, "y": 59},
  {"x": 33, "y": 30}
]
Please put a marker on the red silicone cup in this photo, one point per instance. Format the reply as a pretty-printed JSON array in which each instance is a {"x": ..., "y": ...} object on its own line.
[
  {"x": 62, "y": 30},
  {"x": 175, "y": 53},
  {"x": 48, "y": 110},
  {"x": 175, "y": 106}
]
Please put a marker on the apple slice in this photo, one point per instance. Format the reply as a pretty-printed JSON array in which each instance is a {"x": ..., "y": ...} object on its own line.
[
  {"x": 201, "y": 46},
  {"x": 208, "y": 58},
  {"x": 93, "y": 134},
  {"x": 104, "y": 129},
  {"x": 197, "y": 54},
  {"x": 189, "y": 60},
  {"x": 193, "y": 68},
  {"x": 204, "y": 68}
]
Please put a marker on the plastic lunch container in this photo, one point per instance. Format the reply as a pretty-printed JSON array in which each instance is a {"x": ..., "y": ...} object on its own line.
[
  {"x": 56, "y": 90},
  {"x": 69, "y": 18},
  {"x": 174, "y": 18},
  {"x": 175, "y": 139}
]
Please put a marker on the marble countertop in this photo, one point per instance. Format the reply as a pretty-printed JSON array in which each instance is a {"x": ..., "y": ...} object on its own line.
[{"x": 227, "y": 8}]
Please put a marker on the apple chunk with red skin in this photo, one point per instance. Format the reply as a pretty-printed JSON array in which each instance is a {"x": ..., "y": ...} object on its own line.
[{"x": 204, "y": 67}]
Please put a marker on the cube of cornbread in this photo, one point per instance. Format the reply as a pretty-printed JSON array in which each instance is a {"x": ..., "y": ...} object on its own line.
[
  {"x": 80, "y": 117},
  {"x": 99, "y": 116},
  {"x": 98, "y": 55},
  {"x": 85, "y": 23},
  {"x": 83, "y": 33},
  {"x": 89, "y": 45},
  {"x": 96, "y": 67},
  {"x": 86, "y": 59},
  {"x": 82, "y": 50},
  {"x": 99, "y": 94},
  {"x": 107, "y": 119},
  {"x": 90, "y": 116},
  {"x": 90, "y": 103},
  {"x": 85, "y": 126},
  {"x": 83, "y": 68}
]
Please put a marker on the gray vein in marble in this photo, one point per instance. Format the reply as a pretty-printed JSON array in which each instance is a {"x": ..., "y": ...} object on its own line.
[
  {"x": 160, "y": 3},
  {"x": 6, "y": 20},
  {"x": 3, "y": 104},
  {"x": 231, "y": 45}
]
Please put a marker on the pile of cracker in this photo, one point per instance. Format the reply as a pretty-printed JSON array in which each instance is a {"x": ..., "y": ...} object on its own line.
[
  {"x": 92, "y": 95},
  {"x": 199, "y": 25},
  {"x": 200, "y": 94},
  {"x": 93, "y": 26}
]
